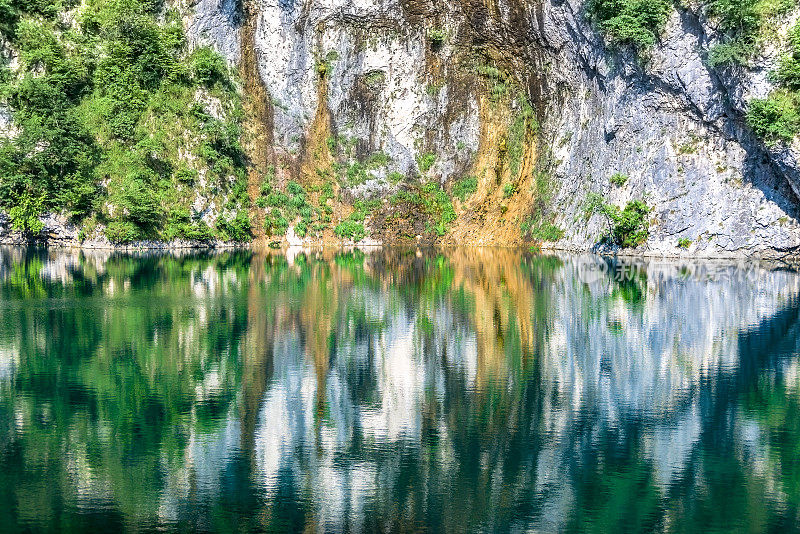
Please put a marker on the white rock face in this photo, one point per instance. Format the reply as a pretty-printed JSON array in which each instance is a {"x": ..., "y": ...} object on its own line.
[
  {"x": 671, "y": 127},
  {"x": 7, "y": 128},
  {"x": 215, "y": 23},
  {"x": 671, "y": 123},
  {"x": 378, "y": 91}
]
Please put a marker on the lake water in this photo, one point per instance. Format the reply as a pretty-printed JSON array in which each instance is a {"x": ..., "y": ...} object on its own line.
[{"x": 454, "y": 390}]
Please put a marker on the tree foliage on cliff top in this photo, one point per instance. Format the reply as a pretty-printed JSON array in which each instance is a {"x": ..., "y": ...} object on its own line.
[
  {"x": 741, "y": 23},
  {"x": 777, "y": 118},
  {"x": 105, "y": 99},
  {"x": 632, "y": 22}
]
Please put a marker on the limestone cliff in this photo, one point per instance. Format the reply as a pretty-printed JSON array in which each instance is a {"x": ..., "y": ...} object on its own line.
[
  {"x": 439, "y": 88},
  {"x": 487, "y": 122}
]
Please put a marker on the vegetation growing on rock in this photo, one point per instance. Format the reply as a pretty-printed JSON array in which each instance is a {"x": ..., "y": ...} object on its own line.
[
  {"x": 631, "y": 22},
  {"x": 118, "y": 121},
  {"x": 432, "y": 201},
  {"x": 777, "y": 117},
  {"x": 628, "y": 227},
  {"x": 741, "y": 22},
  {"x": 465, "y": 188},
  {"x": 618, "y": 179}
]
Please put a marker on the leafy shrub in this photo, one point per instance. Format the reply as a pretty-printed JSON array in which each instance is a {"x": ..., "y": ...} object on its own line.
[
  {"x": 275, "y": 224},
  {"x": 357, "y": 174},
  {"x": 349, "y": 229},
  {"x": 208, "y": 67},
  {"x": 433, "y": 89},
  {"x": 630, "y": 225},
  {"x": 437, "y": 37},
  {"x": 199, "y": 231},
  {"x": 25, "y": 214},
  {"x": 122, "y": 232},
  {"x": 373, "y": 78},
  {"x": 465, "y": 187},
  {"x": 509, "y": 190},
  {"x": 238, "y": 229},
  {"x": 180, "y": 225},
  {"x": 775, "y": 118},
  {"x": 426, "y": 161},
  {"x": 277, "y": 199},
  {"x": 293, "y": 188},
  {"x": 378, "y": 160},
  {"x": 363, "y": 208},
  {"x": 438, "y": 205},
  {"x": 740, "y": 16},
  {"x": 741, "y": 22},
  {"x": 141, "y": 204},
  {"x": 618, "y": 179},
  {"x": 186, "y": 175},
  {"x": 731, "y": 52},
  {"x": 433, "y": 201},
  {"x": 788, "y": 73},
  {"x": 684, "y": 243},
  {"x": 634, "y": 22}
]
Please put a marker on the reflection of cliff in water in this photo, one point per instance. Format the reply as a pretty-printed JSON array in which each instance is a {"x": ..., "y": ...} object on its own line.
[
  {"x": 631, "y": 371},
  {"x": 403, "y": 389}
]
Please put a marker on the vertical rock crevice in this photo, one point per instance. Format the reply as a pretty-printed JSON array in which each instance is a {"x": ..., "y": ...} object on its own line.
[{"x": 259, "y": 116}]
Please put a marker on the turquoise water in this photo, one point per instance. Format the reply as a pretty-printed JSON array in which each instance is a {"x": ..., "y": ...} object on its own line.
[{"x": 455, "y": 390}]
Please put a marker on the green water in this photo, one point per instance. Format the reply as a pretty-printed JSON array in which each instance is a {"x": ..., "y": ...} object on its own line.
[{"x": 458, "y": 390}]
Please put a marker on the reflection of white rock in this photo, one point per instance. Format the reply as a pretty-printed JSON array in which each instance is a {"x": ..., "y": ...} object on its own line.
[
  {"x": 9, "y": 360},
  {"x": 211, "y": 451},
  {"x": 207, "y": 456},
  {"x": 606, "y": 361},
  {"x": 609, "y": 360},
  {"x": 401, "y": 378},
  {"x": 293, "y": 239},
  {"x": 416, "y": 365},
  {"x": 291, "y": 442},
  {"x": 90, "y": 487},
  {"x": 287, "y": 414},
  {"x": 295, "y": 249},
  {"x": 671, "y": 444},
  {"x": 646, "y": 356}
]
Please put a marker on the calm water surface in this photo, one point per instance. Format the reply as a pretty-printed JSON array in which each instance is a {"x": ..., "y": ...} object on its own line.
[{"x": 459, "y": 390}]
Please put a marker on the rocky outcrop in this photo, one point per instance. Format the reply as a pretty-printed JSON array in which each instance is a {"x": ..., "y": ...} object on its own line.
[
  {"x": 676, "y": 128},
  {"x": 60, "y": 232}
]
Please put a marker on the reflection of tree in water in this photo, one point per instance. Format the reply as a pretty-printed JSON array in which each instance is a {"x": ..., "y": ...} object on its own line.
[
  {"x": 502, "y": 448},
  {"x": 107, "y": 389},
  {"x": 447, "y": 390}
]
